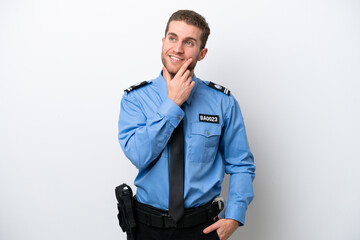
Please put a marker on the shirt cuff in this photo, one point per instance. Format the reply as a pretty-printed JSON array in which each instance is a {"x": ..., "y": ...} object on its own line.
[
  {"x": 236, "y": 212},
  {"x": 171, "y": 111}
]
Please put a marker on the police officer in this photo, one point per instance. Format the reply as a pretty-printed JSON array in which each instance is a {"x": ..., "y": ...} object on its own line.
[{"x": 177, "y": 184}]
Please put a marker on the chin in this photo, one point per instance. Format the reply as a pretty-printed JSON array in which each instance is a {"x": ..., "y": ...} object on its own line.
[{"x": 172, "y": 69}]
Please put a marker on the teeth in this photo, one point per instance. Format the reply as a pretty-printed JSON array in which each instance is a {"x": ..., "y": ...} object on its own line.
[{"x": 175, "y": 58}]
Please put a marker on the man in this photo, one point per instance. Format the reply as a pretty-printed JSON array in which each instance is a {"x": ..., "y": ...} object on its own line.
[{"x": 214, "y": 143}]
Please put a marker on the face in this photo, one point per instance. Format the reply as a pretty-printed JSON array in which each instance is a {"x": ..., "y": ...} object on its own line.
[{"x": 182, "y": 41}]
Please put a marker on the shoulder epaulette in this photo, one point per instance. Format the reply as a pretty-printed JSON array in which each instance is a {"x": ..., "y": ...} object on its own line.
[
  {"x": 219, "y": 88},
  {"x": 135, "y": 86}
]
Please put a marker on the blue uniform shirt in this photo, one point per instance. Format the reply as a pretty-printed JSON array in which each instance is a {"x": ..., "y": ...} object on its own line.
[{"x": 215, "y": 144}]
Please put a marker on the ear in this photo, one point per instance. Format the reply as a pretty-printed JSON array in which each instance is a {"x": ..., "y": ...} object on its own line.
[
  {"x": 163, "y": 39},
  {"x": 202, "y": 54}
]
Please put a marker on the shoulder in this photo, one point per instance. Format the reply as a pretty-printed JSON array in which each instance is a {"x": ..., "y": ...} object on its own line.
[
  {"x": 219, "y": 88},
  {"x": 217, "y": 93},
  {"x": 137, "y": 86},
  {"x": 211, "y": 86}
]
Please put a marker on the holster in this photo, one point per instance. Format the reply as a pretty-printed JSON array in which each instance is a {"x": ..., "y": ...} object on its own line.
[{"x": 125, "y": 205}]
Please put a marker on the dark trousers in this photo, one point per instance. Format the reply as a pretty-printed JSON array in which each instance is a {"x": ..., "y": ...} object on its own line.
[{"x": 144, "y": 232}]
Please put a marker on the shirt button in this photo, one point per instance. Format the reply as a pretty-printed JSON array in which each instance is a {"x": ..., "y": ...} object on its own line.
[
  {"x": 207, "y": 133},
  {"x": 179, "y": 117}
]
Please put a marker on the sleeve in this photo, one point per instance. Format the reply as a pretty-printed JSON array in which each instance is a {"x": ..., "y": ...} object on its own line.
[
  {"x": 143, "y": 138},
  {"x": 239, "y": 164}
]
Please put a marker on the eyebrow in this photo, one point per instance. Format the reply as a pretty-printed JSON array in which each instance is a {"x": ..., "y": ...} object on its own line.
[{"x": 187, "y": 38}]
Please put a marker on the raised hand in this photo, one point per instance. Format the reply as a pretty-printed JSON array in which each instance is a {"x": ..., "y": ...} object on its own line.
[{"x": 179, "y": 87}]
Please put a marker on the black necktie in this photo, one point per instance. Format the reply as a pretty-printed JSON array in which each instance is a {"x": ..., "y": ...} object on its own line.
[{"x": 176, "y": 181}]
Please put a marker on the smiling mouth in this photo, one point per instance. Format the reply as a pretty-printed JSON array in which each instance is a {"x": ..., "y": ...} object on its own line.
[{"x": 175, "y": 59}]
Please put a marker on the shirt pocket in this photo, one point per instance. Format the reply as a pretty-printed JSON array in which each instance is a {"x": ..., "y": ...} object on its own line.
[{"x": 204, "y": 141}]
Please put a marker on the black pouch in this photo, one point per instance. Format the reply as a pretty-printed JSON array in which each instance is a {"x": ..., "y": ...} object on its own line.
[{"x": 125, "y": 205}]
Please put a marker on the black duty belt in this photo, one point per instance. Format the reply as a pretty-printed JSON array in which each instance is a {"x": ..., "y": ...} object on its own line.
[{"x": 159, "y": 218}]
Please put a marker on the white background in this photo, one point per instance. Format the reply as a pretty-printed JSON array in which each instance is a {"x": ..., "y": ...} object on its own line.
[{"x": 292, "y": 65}]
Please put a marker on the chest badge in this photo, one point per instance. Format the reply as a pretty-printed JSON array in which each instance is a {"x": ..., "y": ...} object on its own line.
[{"x": 209, "y": 118}]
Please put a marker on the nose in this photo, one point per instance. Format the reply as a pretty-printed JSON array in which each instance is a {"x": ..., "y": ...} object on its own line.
[{"x": 179, "y": 47}]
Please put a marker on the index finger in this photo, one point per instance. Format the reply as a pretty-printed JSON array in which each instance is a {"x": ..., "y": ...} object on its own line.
[
  {"x": 184, "y": 67},
  {"x": 211, "y": 228}
]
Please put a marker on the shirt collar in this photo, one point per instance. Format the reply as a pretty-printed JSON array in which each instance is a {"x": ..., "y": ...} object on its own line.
[{"x": 161, "y": 82}]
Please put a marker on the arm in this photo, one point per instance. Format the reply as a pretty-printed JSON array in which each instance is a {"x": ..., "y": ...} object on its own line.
[
  {"x": 142, "y": 137},
  {"x": 240, "y": 165}
]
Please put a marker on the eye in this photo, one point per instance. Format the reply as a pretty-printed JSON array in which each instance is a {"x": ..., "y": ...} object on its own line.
[
  {"x": 189, "y": 43},
  {"x": 171, "y": 38}
]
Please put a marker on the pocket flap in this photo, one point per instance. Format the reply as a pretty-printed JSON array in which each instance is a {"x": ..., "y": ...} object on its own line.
[{"x": 206, "y": 129}]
